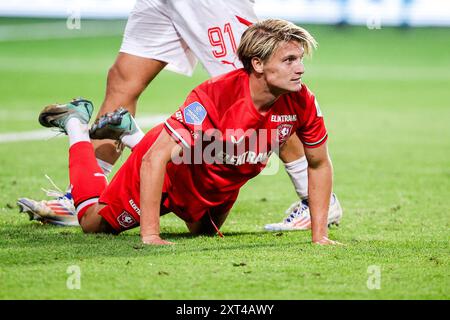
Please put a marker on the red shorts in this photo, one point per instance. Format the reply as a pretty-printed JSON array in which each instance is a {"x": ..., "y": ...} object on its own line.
[
  {"x": 125, "y": 217},
  {"x": 122, "y": 196}
]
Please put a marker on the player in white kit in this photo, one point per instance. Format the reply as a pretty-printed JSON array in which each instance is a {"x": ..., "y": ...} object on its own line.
[
  {"x": 181, "y": 32},
  {"x": 176, "y": 34}
]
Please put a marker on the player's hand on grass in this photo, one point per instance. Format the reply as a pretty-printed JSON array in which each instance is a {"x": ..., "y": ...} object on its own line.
[
  {"x": 155, "y": 240},
  {"x": 324, "y": 241}
]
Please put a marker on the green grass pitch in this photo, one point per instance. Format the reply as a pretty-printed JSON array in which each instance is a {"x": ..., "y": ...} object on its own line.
[{"x": 386, "y": 99}]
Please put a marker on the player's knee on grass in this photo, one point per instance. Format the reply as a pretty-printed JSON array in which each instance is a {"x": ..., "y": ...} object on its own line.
[
  {"x": 205, "y": 226},
  {"x": 199, "y": 228},
  {"x": 93, "y": 222}
]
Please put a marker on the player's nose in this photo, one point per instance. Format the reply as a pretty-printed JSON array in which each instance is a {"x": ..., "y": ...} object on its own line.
[{"x": 299, "y": 68}]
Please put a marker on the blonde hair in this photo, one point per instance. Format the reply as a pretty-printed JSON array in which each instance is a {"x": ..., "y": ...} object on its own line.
[{"x": 263, "y": 38}]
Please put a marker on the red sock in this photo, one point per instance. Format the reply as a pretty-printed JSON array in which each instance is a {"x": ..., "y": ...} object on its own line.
[{"x": 86, "y": 177}]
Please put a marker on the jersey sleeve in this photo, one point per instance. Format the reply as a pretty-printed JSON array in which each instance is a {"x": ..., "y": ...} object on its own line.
[
  {"x": 192, "y": 119},
  {"x": 312, "y": 131}
]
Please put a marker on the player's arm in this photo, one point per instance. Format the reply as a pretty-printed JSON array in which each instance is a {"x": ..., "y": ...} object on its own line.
[
  {"x": 320, "y": 180},
  {"x": 153, "y": 169}
]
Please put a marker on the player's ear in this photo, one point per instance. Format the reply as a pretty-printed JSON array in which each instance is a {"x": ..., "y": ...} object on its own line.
[{"x": 257, "y": 64}]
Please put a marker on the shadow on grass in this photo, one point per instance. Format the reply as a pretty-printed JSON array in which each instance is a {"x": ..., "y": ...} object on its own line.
[
  {"x": 34, "y": 243},
  {"x": 35, "y": 231}
]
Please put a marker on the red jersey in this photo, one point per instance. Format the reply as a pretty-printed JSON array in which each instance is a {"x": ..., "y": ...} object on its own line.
[{"x": 226, "y": 142}]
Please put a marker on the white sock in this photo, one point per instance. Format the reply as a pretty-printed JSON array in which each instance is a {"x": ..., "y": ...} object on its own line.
[
  {"x": 131, "y": 140},
  {"x": 298, "y": 172},
  {"x": 105, "y": 166},
  {"x": 77, "y": 131}
]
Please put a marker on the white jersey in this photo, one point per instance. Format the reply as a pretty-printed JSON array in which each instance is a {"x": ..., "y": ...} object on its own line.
[{"x": 181, "y": 32}]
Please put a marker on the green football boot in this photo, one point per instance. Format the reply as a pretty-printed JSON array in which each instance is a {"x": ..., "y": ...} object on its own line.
[
  {"x": 57, "y": 115},
  {"x": 113, "y": 125}
]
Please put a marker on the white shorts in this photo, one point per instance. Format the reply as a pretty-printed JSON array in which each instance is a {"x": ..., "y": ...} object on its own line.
[{"x": 180, "y": 32}]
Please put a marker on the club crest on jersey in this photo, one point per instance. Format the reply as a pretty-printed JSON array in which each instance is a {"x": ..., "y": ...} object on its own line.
[
  {"x": 284, "y": 131},
  {"x": 194, "y": 113},
  {"x": 126, "y": 220}
]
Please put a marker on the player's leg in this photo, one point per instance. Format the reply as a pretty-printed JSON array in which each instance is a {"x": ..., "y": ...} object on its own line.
[
  {"x": 212, "y": 220},
  {"x": 86, "y": 177},
  {"x": 150, "y": 42},
  {"x": 209, "y": 224},
  {"x": 93, "y": 222},
  {"x": 127, "y": 79},
  {"x": 118, "y": 125},
  {"x": 88, "y": 182}
]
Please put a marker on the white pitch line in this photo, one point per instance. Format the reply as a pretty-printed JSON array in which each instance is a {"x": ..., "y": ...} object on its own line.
[
  {"x": 59, "y": 30},
  {"x": 45, "y": 134}
]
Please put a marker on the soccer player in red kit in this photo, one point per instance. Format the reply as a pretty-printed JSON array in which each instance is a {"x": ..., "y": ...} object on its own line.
[{"x": 195, "y": 163}]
